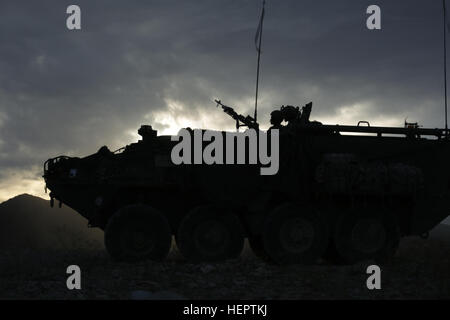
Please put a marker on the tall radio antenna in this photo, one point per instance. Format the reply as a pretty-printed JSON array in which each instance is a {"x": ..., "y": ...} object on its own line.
[
  {"x": 258, "y": 42},
  {"x": 445, "y": 66}
]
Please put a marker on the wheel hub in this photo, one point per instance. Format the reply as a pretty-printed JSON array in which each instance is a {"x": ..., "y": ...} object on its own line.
[
  {"x": 297, "y": 235},
  {"x": 137, "y": 241},
  {"x": 368, "y": 235}
]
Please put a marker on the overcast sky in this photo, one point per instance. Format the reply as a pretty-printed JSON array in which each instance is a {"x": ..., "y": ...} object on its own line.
[{"x": 162, "y": 63}]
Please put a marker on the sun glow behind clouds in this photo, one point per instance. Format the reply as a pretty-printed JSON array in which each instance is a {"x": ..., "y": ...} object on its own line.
[
  {"x": 178, "y": 116},
  {"x": 14, "y": 183}
]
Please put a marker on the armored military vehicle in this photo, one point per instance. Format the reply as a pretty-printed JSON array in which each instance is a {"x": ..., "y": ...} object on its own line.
[{"x": 342, "y": 193}]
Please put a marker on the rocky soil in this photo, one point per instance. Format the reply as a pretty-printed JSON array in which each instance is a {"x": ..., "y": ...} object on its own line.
[{"x": 421, "y": 270}]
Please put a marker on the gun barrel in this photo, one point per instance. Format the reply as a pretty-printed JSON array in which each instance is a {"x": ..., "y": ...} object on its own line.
[{"x": 246, "y": 121}]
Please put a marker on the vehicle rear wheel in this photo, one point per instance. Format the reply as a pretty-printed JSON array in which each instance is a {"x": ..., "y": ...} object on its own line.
[
  {"x": 364, "y": 236},
  {"x": 209, "y": 234},
  {"x": 294, "y": 235},
  {"x": 138, "y": 232}
]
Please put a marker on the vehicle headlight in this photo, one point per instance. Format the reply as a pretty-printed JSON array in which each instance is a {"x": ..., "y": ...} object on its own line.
[{"x": 73, "y": 173}]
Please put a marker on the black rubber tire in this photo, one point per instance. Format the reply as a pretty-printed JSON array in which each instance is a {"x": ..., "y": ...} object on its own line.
[
  {"x": 304, "y": 245},
  {"x": 257, "y": 246},
  {"x": 138, "y": 232},
  {"x": 391, "y": 249},
  {"x": 361, "y": 235},
  {"x": 208, "y": 234}
]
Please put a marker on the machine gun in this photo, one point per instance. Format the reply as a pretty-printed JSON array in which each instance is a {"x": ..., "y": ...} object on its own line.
[{"x": 241, "y": 121}]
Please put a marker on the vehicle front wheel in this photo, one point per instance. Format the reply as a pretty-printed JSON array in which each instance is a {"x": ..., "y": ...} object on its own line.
[{"x": 138, "y": 232}]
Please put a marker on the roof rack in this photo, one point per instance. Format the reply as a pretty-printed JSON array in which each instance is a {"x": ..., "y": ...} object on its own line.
[{"x": 379, "y": 131}]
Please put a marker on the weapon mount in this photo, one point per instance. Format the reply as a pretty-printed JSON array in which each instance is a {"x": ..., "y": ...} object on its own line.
[{"x": 241, "y": 121}]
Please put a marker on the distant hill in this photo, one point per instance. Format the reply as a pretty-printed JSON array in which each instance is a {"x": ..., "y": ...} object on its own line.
[{"x": 29, "y": 222}]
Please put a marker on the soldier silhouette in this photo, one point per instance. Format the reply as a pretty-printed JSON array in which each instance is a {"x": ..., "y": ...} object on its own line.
[{"x": 276, "y": 117}]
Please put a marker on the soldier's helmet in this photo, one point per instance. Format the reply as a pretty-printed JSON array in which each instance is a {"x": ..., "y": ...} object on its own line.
[
  {"x": 276, "y": 117},
  {"x": 290, "y": 113}
]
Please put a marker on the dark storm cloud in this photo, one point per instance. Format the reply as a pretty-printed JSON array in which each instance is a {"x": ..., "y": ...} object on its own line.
[{"x": 72, "y": 91}]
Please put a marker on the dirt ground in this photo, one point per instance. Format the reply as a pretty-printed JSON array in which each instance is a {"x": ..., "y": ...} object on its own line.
[{"x": 421, "y": 270}]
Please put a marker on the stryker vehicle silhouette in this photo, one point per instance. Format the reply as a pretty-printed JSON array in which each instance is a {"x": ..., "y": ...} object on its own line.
[{"x": 340, "y": 197}]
